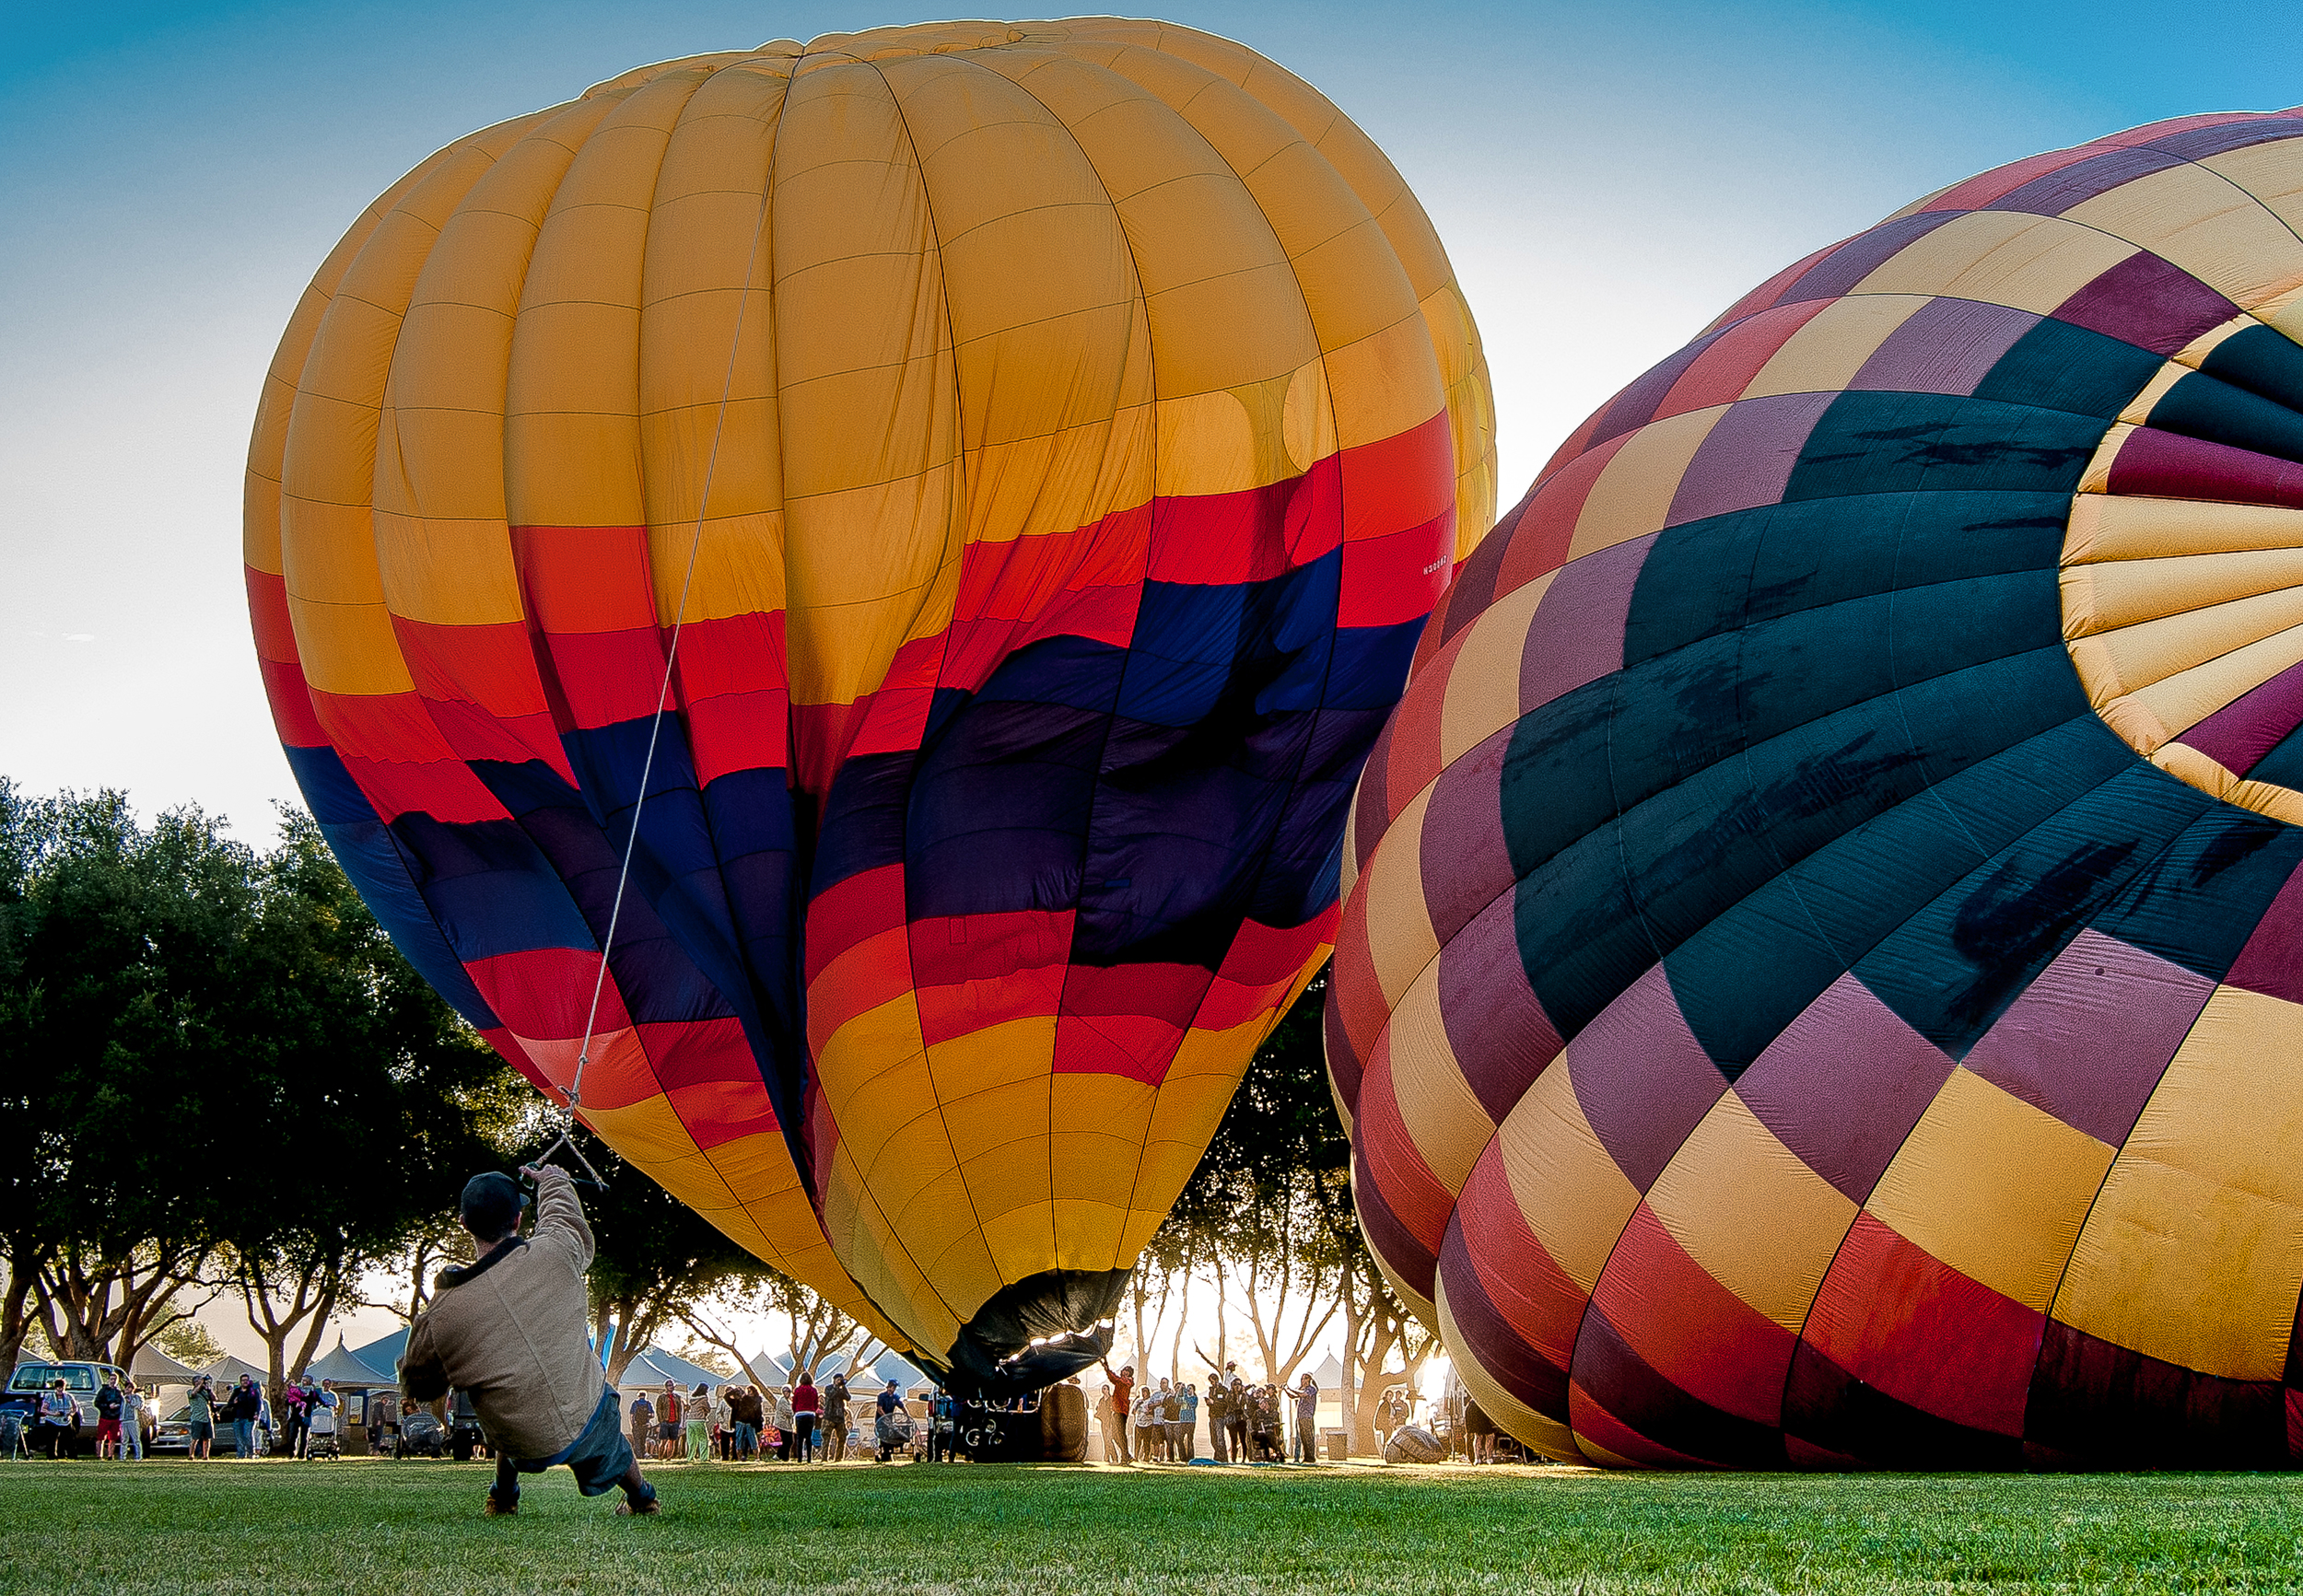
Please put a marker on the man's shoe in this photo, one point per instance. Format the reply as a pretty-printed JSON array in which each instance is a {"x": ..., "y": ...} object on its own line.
[
  {"x": 496, "y": 1509},
  {"x": 628, "y": 1509}
]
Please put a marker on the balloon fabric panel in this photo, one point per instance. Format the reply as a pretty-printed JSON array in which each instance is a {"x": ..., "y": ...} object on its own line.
[
  {"x": 1046, "y": 442},
  {"x": 1818, "y": 925}
]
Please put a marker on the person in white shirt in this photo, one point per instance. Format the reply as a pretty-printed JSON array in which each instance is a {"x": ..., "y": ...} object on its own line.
[{"x": 131, "y": 1420}]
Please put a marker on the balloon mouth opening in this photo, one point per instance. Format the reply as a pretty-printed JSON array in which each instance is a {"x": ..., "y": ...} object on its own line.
[{"x": 1040, "y": 1330}]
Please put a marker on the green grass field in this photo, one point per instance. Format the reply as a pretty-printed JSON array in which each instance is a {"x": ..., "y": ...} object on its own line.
[{"x": 363, "y": 1525}]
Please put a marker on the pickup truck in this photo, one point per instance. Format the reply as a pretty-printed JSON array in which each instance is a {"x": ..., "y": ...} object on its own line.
[{"x": 82, "y": 1380}]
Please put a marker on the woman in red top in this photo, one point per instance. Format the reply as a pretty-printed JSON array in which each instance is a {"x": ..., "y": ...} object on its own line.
[{"x": 804, "y": 1407}]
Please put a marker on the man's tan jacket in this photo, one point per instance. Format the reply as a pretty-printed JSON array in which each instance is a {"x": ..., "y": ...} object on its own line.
[{"x": 510, "y": 1330}]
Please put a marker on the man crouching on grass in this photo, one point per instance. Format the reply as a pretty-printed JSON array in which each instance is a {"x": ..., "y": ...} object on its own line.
[{"x": 509, "y": 1330}]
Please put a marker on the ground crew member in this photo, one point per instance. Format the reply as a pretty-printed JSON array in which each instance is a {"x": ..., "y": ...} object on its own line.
[{"x": 510, "y": 1328}]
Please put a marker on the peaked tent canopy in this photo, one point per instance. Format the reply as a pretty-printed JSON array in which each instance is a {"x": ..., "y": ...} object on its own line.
[
  {"x": 153, "y": 1366},
  {"x": 348, "y": 1368},
  {"x": 228, "y": 1369}
]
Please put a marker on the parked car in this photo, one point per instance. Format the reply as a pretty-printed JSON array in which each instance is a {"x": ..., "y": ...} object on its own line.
[
  {"x": 82, "y": 1380},
  {"x": 173, "y": 1435}
]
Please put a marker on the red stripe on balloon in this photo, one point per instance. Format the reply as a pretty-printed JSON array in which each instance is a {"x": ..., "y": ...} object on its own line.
[
  {"x": 291, "y": 703},
  {"x": 400, "y": 761},
  {"x": 544, "y": 993},
  {"x": 1690, "y": 1328},
  {"x": 483, "y": 689},
  {"x": 1722, "y": 372},
  {"x": 1410, "y": 1189},
  {"x": 1903, "y": 1321},
  {"x": 1534, "y": 1295}
]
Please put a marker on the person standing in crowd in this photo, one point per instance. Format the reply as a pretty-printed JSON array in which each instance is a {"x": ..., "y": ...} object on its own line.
[
  {"x": 107, "y": 1417},
  {"x": 200, "y": 1418},
  {"x": 785, "y": 1421},
  {"x": 131, "y": 1411},
  {"x": 1143, "y": 1425},
  {"x": 1190, "y": 1432},
  {"x": 1104, "y": 1421},
  {"x": 1308, "y": 1420},
  {"x": 805, "y": 1406},
  {"x": 696, "y": 1409},
  {"x": 292, "y": 1418},
  {"x": 1219, "y": 1415},
  {"x": 242, "y": 1410},
  {"x": 642, "y": 1415},
  {"x": 888, "y": 1410},
  {"x": 379, "y": 1416},
  {"x": 836, "y": 1419},
  {"x": 1123, "y": 1407},
  {"x": 944, "y": 1426},
  {"x": 668, "y": 1422},
  {"x": 1480, "y": 1431},
  {"x": 59, "y": 1415},
  {"x": 721, "y": 1442},
  {"x": 1236, "y": 1413},
  {"x": 745, "y": 1403}
]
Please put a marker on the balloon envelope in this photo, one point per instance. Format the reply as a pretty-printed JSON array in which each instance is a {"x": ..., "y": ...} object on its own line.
[
  {"x": 1822, "y": 979},
  {"x": 1046, "y": 441}
]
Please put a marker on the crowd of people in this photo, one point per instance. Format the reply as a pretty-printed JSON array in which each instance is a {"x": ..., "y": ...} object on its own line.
[
  {"x": 1144, "y": 1422},
  {"x": 799, "y": 1423},
  {"x": 126, "y": 1417},
  {"x": 1139, "y": 1421}
]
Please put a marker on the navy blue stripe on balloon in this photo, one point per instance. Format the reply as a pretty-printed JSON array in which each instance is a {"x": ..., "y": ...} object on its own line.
[{"x": 372, "y": 862}]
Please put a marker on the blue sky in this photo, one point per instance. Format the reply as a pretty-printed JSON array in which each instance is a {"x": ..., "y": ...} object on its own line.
[{"x": 1606, "y": 178}]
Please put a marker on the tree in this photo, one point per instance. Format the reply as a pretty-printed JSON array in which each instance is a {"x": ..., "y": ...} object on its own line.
[
  {"x": 188, "y": 1342},
  {"x": 1268, "y": 1206},
  {"x": 116, "y": 1056},
  {"x": 818, "y": 1333}
]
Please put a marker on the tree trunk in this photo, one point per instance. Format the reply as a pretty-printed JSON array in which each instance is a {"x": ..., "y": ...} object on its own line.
[
  {"x": 18, "y": 1307},
  {"x": 1348, "y": 1398},
  {"x": 76, "y": 1295},
  {"x": 319, "y": 1284},
  {"x": 1382, "y": 1337},
  {"x": 1175, "y": 1347}
]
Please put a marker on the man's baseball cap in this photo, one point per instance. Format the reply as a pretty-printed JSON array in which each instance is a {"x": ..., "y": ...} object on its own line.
[{"x": 492, "y": 1201}]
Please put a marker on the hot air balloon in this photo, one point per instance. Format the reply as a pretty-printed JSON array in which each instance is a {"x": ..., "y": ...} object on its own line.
[
  {"x": 1822, "y": 981},
  {"x": 904, "y": 542}
]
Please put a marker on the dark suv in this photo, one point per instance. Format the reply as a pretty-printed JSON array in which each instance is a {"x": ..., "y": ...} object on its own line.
[{"x": 82, "y": 1380}]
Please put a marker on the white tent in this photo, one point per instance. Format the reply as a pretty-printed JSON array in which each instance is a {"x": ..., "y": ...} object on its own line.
[
  {"x": 1329, "y": 1373},
  {"x": 228, "y": 1369},
  {"x": 152, "y": 1367}
]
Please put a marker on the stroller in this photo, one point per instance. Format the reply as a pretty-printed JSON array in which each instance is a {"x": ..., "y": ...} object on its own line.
[
  {"x": 14, "y": 1442},
  {"x": 319, "y": 1435}
]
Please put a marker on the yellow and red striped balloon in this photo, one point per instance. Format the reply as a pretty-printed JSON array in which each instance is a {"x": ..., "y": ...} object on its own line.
[{"x": 1047, "y": 441}]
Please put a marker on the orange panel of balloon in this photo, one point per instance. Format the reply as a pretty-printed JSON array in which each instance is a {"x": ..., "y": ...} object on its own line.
[
  {"x": 1824, "y": 975},
  {"x": 983, "y": 484}
]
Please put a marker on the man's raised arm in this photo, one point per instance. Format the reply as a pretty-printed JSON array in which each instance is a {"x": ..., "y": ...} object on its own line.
[{"x": 560, "y": 1215}]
